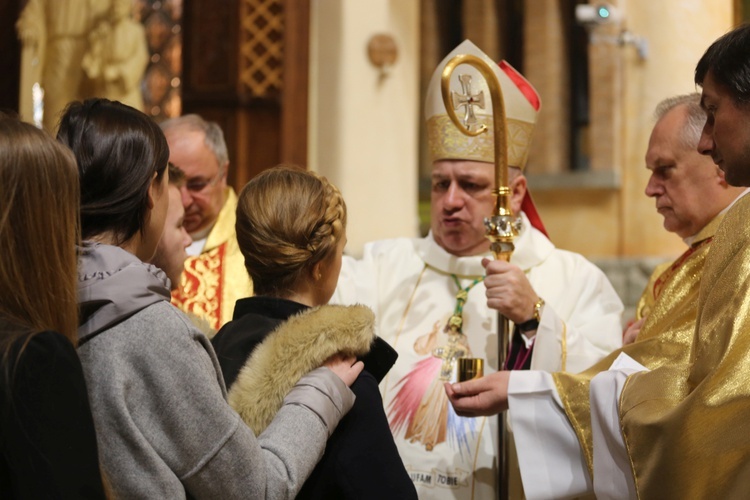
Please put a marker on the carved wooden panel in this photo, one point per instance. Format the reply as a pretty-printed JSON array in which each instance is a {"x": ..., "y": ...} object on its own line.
[
  {"x": 245, "y": 67},
  {"x": 261, "y": 47},
  {"x": 210, "y": 46}
]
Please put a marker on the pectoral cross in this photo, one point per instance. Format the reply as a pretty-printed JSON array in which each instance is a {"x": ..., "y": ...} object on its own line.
[
  {"x": 449, "y": 354},
  {"x": 468, "y": 100}
]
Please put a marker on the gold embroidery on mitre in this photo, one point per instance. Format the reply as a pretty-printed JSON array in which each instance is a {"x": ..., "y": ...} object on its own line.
[{"x": 446, "y": 142}]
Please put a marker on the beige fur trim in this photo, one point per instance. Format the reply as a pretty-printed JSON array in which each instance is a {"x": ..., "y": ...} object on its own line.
[{"x": 297, "y": 346}]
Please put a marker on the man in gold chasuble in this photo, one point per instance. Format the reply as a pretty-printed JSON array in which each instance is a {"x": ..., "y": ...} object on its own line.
[
  {"x": 669, "y": 419},
  {"x": 696, "y": 426},
  {"x": 215, "y": 276},
  {"x": 437, "y": 298},
  {"x": 691, "y": 193}
]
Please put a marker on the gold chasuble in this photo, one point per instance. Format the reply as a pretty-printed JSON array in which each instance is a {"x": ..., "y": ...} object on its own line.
[
  {"x": 214, "y": 280},
  {"x": 664, "y": 340},
  {"x": 687, "y": 426}
]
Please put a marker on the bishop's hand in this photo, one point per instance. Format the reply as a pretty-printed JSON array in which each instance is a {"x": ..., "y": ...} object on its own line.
[
  {"x": 482, "y": 396},
  {"x": 509, "y": 291}
]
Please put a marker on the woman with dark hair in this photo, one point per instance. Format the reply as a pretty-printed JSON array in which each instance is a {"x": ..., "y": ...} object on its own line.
[
  {"x": 47, "y": 436},
  {"x": 157, "y": 395},
  {"x": 291, "y": 229}
]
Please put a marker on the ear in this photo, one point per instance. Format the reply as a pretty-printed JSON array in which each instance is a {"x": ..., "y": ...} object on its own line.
[
  {"x": 224, "y": 174},
  {"x": 316, "y": 272},
  {"x": 721, "y": 177},
  {"x": 153, "y": 189},
  {"x": 517, "y": 192}
]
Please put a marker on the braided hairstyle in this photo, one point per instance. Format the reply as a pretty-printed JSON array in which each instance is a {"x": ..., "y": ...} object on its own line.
[{"x": 288, "y": 220}]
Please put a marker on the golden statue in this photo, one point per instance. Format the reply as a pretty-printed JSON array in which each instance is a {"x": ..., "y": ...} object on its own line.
[
  {"x": 117, "y": 56},
  {"x": 54, "y": 37}
]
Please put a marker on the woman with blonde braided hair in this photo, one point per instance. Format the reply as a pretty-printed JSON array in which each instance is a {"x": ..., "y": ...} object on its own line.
[
  {"x": 163, "y": 421},
  {"x": 291, "y": 229}
]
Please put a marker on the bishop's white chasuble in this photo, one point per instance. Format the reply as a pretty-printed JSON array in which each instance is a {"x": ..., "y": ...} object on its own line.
[{"x": 412, "y": 284}]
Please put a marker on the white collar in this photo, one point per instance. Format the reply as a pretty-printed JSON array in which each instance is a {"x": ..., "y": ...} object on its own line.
[{"x": 532, "y": 247}]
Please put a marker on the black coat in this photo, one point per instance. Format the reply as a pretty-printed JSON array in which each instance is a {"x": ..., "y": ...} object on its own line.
[
  {"x": 361, "y": 460},
  {"x": 47, "y": 436}
]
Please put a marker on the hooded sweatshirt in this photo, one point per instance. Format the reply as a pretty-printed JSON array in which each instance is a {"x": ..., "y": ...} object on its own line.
[{"x": 158, "y": 398}]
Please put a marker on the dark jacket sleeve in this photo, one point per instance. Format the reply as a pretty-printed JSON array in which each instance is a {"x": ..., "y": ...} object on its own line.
[
  {"x": 361, "y": 460},
  {"x": 49, "y": 447}
]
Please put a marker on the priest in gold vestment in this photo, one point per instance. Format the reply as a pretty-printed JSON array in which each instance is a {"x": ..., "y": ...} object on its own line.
[
  {"x": 691, "y": 193},
  {"x": 215, "y": 276},
  {"x": 688, "y": 437},
  {"x": 664, "y": 428}
]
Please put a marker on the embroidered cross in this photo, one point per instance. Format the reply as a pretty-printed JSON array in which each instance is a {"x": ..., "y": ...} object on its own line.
[{"x": 468, "y": 100}]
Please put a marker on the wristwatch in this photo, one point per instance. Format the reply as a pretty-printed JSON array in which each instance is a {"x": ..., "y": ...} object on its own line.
[{"x": 533, "y": 323}]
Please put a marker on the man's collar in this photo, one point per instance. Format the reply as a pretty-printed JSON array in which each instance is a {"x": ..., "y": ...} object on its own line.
[
  {"x": 709, "y": 229},
  {"x": 223, "y": 229}
]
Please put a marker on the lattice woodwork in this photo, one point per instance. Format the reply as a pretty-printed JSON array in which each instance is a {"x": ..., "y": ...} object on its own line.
[{"x": 261, "y": 47}]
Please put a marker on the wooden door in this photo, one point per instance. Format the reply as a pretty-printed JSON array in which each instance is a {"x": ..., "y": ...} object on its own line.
[{"x": 246, "y": 67}]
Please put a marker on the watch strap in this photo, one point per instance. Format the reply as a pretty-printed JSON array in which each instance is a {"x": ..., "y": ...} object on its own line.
[{"x": 533, "y": 323}]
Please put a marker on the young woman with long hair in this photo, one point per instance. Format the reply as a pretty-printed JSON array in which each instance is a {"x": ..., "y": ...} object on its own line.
[
  {"x": 47, "y": 435},
  {"x": 157, "y": 395}
]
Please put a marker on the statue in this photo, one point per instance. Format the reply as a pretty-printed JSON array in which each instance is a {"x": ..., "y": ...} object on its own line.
[
  {"x": 117, "y": 56},
  {"x": 54, "y": 37}
]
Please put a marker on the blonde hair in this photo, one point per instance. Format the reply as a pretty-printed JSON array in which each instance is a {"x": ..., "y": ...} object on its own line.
[
  {"x": 39, "y": 197},
  {"x": 288, "y": 219}
]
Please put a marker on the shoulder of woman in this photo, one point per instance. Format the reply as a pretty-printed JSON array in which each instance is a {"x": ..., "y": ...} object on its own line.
[
  {"x": 159, "y": 324},
  {"x": 42, "y": 346}
]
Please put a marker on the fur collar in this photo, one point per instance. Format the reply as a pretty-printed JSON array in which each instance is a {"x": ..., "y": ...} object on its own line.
[{"x": 300, "y": 344}]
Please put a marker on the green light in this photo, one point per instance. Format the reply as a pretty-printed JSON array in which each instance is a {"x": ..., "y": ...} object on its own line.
[{"x": 603, "y": 12}]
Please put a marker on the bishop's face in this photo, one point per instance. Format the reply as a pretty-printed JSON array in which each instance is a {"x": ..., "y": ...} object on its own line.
[
  {"x": 461, "y": 199},
  {"x": 726, "y": 135}
]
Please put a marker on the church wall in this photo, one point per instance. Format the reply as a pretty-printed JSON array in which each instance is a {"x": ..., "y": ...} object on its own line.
[
  {"x": 617, "y": 219},
  {"x": 364, "y": 125},
  {"x": 364, "y": 122},
  {"x": 679, "y": 32}
]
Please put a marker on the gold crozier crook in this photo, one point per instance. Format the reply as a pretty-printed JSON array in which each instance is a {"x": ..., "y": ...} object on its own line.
[{"x": 501, "y": 224}]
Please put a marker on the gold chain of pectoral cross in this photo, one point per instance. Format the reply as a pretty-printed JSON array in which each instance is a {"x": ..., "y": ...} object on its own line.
[
  {"x": 454, "y": 350},
  {"x": 456, "y": 322}
]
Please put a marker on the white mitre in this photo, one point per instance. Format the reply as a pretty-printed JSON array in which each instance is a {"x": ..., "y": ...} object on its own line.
[{"x": 522, "y": 103}]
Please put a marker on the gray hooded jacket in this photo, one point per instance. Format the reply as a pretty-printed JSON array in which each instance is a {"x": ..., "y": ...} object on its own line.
[{"x": 158, "y": 398}]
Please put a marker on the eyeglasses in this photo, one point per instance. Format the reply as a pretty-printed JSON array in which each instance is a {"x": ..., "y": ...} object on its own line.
[{"x": 199, "y": 184}]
